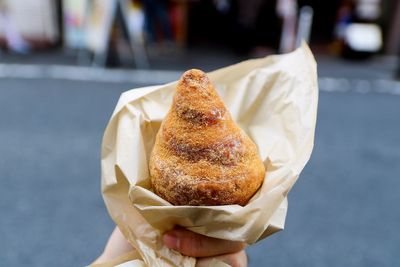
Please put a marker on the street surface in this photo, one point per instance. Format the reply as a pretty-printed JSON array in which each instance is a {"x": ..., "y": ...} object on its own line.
[{"x": 343, "y": 211}]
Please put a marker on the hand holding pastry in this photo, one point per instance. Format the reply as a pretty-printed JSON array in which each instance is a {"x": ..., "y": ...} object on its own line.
[{"x": 205, "y": 248}]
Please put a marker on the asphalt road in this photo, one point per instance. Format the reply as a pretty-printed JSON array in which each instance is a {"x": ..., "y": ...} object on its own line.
[{"x": 343, "y": 211}]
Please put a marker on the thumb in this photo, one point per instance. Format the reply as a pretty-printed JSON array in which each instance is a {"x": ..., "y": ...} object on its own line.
[{"x": 195, "y": 245}]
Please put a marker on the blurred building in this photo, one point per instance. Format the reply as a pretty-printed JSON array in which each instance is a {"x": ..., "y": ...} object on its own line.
[
  {"x": 36, "y": 21},
  {"x": 239, "y": 25}
]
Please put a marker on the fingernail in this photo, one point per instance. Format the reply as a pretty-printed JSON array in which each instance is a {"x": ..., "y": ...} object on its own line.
[{"x": 171, "y": 241}]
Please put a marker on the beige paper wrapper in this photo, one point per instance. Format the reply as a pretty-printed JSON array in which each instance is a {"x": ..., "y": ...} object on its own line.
[{"x": 273, "y": 99}]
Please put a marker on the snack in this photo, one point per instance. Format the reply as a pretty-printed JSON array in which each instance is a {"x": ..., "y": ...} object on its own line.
[{"x": 200, "y": 156}]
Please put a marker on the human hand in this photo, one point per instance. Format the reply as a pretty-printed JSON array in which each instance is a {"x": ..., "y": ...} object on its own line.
[{"x": 205, "y": 248}]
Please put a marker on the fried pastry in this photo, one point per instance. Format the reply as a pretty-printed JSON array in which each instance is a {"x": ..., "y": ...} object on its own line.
[{"x": 201, "y": 156}]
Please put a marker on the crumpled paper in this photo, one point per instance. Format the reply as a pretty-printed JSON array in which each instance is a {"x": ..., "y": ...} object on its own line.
[{"x": 273, "y": 99}]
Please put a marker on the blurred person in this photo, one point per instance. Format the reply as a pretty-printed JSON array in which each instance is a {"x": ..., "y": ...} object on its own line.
[
  {"x": 14, "y": 40},
  {"x": 266, "y": 22},
  {"x": 247, "y": 17},
  {"x": 344, "y": 17},
  {"x": 156, "y": 18},
  {"x": 188, "y": 243}
]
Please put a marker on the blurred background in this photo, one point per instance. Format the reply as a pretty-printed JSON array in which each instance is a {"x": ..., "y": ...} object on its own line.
[{"x": 63, "y": 65}]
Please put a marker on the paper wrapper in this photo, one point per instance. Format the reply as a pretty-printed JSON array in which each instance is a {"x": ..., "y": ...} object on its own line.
[{"x": 274, "y": 100}]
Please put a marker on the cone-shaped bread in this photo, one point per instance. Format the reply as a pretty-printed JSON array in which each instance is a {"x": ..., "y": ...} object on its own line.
[{"x": 201, "y": 157}]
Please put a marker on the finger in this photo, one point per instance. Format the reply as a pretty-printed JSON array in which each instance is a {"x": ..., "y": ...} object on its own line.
[
  {"x": 238, "y": 259},
  {"x": 195, "y": 245}
]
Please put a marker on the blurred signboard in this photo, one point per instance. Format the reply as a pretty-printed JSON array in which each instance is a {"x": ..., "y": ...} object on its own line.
[
  {"x": 99, "y": 23},
  {"x": 33, "y": 19},
  {"x": 74, "y": 12}
]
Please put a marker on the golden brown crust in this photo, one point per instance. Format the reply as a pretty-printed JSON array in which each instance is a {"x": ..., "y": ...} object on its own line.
[{"x": 201, "y": 157}]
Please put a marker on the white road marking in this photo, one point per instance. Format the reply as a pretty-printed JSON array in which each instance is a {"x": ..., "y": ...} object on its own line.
[
  {"x": 148, "y": 77},
  {"x": 79, "y": 73},
  {"x": 361, "y": 86}
]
